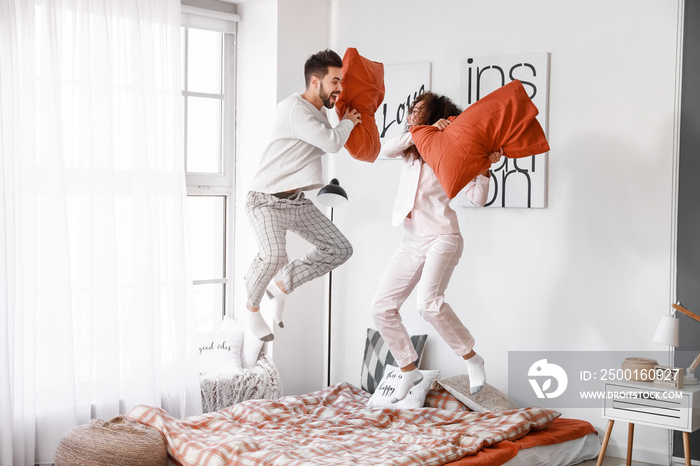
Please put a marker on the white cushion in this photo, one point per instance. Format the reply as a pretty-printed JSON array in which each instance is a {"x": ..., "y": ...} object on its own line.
[
  {"x": 220, "y": 352},
  {"x": 251, "y": 345},
  {"x": 390, "y": 383}
]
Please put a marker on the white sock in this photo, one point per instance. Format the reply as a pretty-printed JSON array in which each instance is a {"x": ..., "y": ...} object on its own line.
[
  {"x": 278, "y": 297},
  {"x": 408, "y": 380},
  {"x": 477, "y": 374},
  {"x": 258, "y": 326}
]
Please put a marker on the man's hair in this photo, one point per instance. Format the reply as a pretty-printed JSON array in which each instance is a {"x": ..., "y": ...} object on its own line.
[{"x": 317, "y": 64}]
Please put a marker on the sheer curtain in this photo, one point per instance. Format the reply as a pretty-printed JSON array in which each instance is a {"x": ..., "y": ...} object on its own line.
[{"x": 94, "y": 290}]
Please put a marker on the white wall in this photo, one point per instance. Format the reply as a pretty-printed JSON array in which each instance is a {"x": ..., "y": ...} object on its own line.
[
  {"x": 592, "y": 271},
  {"x": 589, "y": 272},
  {"x": 276, "y": 38}
]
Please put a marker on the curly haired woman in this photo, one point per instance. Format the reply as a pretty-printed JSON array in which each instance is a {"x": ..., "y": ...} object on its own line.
[{"x": 429, "y": 251}]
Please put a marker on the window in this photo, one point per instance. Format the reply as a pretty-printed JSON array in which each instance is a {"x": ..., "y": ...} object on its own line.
[{"x": 208, "y": 77}]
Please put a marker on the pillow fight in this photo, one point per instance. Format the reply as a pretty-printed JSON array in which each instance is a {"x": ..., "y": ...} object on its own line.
[{"x": 444, "y": 150}]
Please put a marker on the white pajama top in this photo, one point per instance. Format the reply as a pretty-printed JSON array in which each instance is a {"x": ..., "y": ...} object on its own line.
[{"x": 421, "y": 195}]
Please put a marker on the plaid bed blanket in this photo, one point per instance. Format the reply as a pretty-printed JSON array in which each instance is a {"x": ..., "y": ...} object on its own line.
[{"x": 334, "y": 426}]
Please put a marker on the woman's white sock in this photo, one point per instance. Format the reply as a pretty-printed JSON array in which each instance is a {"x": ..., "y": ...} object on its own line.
[
  {"x": 408, "y": 380},
  {"x": 477, "y": 373}
]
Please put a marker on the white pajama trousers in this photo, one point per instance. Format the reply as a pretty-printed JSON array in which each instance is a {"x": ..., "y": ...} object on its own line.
[
  {"x": 424, "y": 263},
  {"x": 271, "y": 217}
]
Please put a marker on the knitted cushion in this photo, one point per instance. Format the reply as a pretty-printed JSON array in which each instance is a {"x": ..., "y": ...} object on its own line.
[
  {"x": 489, "y": 398},
  {"x": 118, "y": 442},
  {"x": 377, "y": 356},
  {"x": 261, "y": 382}
]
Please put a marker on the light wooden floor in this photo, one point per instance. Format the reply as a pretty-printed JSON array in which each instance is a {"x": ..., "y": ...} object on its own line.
[{"x": 610, "y": 461}]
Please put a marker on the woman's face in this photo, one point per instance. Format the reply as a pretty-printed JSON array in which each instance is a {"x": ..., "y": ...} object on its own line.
[{"x": 414, "y": 118}]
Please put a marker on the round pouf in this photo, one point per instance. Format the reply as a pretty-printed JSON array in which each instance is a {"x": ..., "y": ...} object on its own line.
[{"x": 119, "y": 441}]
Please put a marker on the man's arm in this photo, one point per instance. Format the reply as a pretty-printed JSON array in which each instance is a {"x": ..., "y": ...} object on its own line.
[{"x": 330, "y": 140}]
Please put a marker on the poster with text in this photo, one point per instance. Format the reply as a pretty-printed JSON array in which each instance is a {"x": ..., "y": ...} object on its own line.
[
  {"x": 402, "y": 83},
  {"x": 514, "y": 182}
]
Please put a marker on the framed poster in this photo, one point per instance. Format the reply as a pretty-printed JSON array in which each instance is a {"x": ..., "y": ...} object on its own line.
[
  {"x": 402, "y": 84},
  {"x": 515, "y": 182}
]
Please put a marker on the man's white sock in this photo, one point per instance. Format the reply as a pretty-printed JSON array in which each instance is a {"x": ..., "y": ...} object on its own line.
[
  {"x": 408, "y": 380},
  {"x": 278, "y": 297},
  {"x": 477, "y": 373},
  {"x": 258, "y": 326}
]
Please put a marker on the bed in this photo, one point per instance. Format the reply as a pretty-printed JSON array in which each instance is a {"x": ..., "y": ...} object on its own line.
[{"x": 337, "y": 426}]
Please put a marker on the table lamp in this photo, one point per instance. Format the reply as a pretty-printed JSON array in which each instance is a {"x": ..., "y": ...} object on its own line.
[{"x": 667, "y": 334}]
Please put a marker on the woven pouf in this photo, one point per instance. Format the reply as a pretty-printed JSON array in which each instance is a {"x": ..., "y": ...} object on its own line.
[
  {"x": 119, "y": 441},
  {"x": 639, "y": 369}
]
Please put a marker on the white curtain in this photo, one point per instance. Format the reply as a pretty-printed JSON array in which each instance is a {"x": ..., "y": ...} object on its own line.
[{"x": 95, "y": 311}]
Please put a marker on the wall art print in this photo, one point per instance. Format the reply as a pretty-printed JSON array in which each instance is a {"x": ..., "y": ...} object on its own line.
[
  {"x": 402, "y": 83},
  {"x": 515, "y": 182}
]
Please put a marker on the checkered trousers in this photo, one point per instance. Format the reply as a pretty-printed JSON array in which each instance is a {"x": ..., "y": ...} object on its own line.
[{"x": 271, "y": 217}]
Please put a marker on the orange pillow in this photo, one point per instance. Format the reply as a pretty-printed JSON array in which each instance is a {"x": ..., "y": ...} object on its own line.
[
  {"x": 505, "y": 118},
  {"x": 363, "y": 90}
]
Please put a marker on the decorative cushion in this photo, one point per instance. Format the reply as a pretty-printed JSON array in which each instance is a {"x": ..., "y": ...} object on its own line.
[
  {"x": 442, "y": 399},
  {"x": 505, "y": 118},
  {"x": 390, "y": 383},
  {"x": 377, "y": 356},
  {"x": 261, "y": 382},
  {"x": 220, "y": 352},
  {"x": 363, "y": 90},
  {"x": 251, "y": 345},
  {"x": 119, "y": 442},
  {"x": 489, "y": 398},
  {"x": 539, "y": 418}
]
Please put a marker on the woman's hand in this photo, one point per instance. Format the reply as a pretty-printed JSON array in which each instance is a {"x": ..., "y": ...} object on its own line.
[
  {"x": 442, "y": 124},
  {"x": 494, "y": 157}
]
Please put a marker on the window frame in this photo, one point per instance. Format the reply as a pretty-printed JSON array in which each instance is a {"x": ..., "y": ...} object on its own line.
[{"x": 222, "y": 183}]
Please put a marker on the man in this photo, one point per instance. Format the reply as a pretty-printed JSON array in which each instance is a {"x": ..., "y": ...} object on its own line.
[{"x": 291, "y": 164}]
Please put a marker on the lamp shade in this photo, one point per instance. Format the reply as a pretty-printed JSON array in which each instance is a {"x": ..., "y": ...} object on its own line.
[
  {"x": 332, "y": 195},
  {"x": 667, "y": 331}
]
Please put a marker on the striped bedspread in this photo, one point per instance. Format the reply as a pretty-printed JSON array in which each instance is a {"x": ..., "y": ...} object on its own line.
[{"x": 335, "y": 426}]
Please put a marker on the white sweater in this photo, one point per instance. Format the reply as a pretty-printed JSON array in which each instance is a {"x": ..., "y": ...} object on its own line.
[{"x": 301, "y": 135}]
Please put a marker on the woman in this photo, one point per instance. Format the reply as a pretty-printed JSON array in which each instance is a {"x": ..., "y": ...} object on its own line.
[{"x": 429, "y": 251}]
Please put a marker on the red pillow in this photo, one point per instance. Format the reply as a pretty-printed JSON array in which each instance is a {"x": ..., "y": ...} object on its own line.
[
  {"x": 505, "y": 118},
  {"x": 363, "y": 90}
]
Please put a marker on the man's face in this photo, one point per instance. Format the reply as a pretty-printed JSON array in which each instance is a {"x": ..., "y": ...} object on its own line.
[{"x": 330, "y": 87}]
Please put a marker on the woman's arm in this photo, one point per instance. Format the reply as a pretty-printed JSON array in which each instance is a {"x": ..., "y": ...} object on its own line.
[
  {"x": 394, "y": 147},
  {"x": 477, "y": 190}
]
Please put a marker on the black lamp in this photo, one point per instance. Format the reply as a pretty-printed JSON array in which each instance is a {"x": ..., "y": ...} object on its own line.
[{"x": 332, "y": 194}]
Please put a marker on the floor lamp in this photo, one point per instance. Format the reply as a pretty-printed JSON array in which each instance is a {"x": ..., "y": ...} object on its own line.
[{"x": 332, "y": 195}]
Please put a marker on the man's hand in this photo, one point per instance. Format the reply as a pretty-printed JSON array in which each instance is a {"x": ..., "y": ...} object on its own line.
[
  {"x": 442, "y": 124},
  {"x": 352, "y": 115}
]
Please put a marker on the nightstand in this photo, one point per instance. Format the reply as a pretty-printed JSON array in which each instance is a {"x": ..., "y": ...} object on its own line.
[{"x": 651, "y": 405}]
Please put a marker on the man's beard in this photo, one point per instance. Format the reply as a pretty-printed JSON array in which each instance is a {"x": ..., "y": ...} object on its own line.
[{"x": 325, "y": 98}]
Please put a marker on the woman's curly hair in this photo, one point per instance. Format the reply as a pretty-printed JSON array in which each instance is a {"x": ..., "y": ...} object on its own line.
[{"x": 434, "y": 108}]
